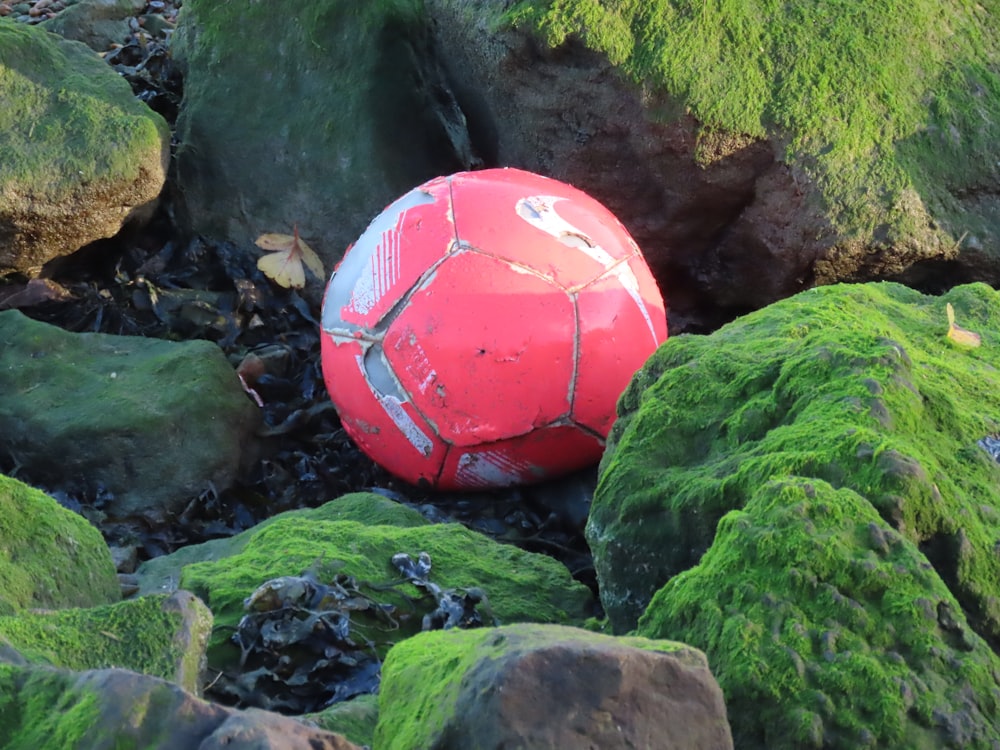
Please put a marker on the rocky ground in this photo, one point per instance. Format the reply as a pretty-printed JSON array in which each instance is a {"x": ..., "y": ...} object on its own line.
[{"x": 154, "y": 282}]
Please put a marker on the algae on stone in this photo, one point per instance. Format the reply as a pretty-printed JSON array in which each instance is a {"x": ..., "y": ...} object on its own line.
[
  {"x": 828, "y": 629},
  {"x": 521, "y": 586},
  {"x": 354, "y": 719},
  {"x": 144, "y": 635},
  {"x": 50, "y": 557},
  {"x": 857, "y": 385},
  {"x": 348, "y": 112},
  {"x": 70, "y": 131},
  {"x": 163, "y": 574},
  {"x": 889, "y": 108},
  {"x": 148, "y": 422}
]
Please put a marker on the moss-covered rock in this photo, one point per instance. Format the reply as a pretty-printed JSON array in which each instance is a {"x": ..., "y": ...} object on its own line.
[
  {"x": 47, "y": 709},
  {"x": 826, "y": 628},
  {"x": 887, "y": 133},
  {"x": 163, "y": 574},
  {"x": 78, "y": 153},
  {"x": 856, "y": 385},
  {"x": 349, "y": 111},
  {"x": 163, "y": 636},
  {"x": 520, "y": 586},
  {"x": 50, "y": 557},
  {"x": 545, "y": 686},
  {"x": 144, "y": 424},
  {"x": 354, "y": 719}
]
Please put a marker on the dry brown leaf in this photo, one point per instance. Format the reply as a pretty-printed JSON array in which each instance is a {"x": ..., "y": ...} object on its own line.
[
  {"x": 959, "y": 335},
  {"x": 289, "y": 257}
]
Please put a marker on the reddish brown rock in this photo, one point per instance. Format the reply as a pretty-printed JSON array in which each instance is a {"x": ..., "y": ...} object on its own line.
[{"x": 547, "y": 686}]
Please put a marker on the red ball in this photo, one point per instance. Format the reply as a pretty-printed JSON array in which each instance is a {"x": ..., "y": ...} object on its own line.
[{"x": 480, "y": 331}]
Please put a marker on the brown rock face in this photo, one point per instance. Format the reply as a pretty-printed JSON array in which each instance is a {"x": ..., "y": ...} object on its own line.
[
  {"x": 537, "y": 687},
  {"x": 569, "y": 695},
  {"x": 724, "y": 227}
]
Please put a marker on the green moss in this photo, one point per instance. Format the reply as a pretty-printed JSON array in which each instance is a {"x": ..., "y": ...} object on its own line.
[
  {"x": 872, "y": 100},
  {"x": 41, "y": 710},
  {"x": 49, "y": 556},
  {"x": 138, "y": 634},
  {"x": 112, "y": 430},
  {"x": 856, "y": 385},
  {"x": 66, "y": 118},
  {"x": 163, "y": 573},
  {"x": 521, "y": 586},
  {"x": 354, "y": 719},
  {"x": 826, "y": 628}
]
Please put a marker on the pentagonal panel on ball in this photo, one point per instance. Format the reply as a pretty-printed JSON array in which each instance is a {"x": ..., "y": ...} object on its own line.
[
  {"x": 540, "y": 223},
  {"x": 622, "y": 321},
  {"x": 376, "y": 414},
  {"x": 485, "y": 351}
]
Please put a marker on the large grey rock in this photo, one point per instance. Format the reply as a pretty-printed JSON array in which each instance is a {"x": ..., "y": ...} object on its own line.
[
  {"x": 538, "y": 687},
  {"x": 113, "y": 708},
  {"x": 318, "y": 118},
  {"x": 144, "y": 425},
  {"x": 79, "y": 155},
  {"x": 52, "y": 557}
]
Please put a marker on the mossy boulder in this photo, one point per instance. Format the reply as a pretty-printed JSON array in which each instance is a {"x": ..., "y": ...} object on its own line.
[
  {"x": 520, "y": 586},
  {"x": 51, "y": 557},
  {"x": 162, "y": 636},
  {"x": 79, "y": 155},
  {"x": 811, "y": 493},
  {"x": 48, "y": 709},
  {"x": 133, "y": 425},
  {"x": 545, "y": 686},
  {"x": 858, "y": 385},
  {"x": 162, "y": 574},
  {"x": 349, "y": 110},
  {"x": 827, "y": 628},
  {"x": 354, "y": 719}
]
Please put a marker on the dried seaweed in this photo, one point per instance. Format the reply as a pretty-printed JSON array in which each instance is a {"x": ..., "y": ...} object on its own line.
[{"x": 305, "y": 644}]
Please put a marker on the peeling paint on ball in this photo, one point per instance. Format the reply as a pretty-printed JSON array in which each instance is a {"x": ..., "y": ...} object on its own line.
[{"x": 479, "y": 332}]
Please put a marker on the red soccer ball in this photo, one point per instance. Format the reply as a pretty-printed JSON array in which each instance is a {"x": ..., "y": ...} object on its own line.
[{"x": 480, "y": 331}]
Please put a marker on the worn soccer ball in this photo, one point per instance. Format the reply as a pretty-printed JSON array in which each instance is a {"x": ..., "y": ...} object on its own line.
[{"x": 480, "y": 331}]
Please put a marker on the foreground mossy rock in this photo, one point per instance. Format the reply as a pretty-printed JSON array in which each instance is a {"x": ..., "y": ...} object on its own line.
[
  {"x": 856, "y": 385},
  {"x": 520, "y": 586},
  {"x": 79, "y": 155},
  {"x": 136, "y": 426},
  {"x": 52, "y": 558},
  {"x": 349, "y": 110},
  {"x": 829, "y": 629},
  {"x": 842, "y": 159},
  {"x": 162, "y": 636},
  {"x": 162, "y": 574},
  {"x": 48, "y": 709},
  {"x": 354, "y": 719},
  {"x": 547, "y": 686}
]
